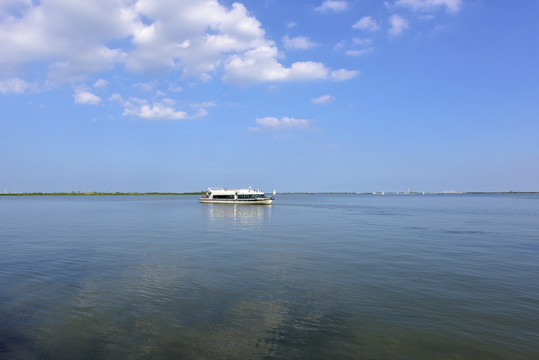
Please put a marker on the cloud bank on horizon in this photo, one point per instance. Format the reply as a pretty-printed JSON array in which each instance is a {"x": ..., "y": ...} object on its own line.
[{"x": 56, "y": 43}]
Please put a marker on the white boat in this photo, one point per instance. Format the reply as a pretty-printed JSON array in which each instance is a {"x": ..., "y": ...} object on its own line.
[{"x": 247, "y": 196}]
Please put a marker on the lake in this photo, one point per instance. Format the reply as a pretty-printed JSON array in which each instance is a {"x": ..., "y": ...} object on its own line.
[{"x": 310, "y": 277}]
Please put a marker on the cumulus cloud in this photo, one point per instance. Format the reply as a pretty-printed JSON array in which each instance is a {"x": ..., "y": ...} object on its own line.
[
  {"x": 366, "y": 23},
  {"x": 160, "y": 110},
  {"x": 398, "y": 25},
  {"x": 101, "y": 84},
  {"x": 324, "y": 99},
  {"x": 260, "y": 64},
  {"x": 73, "y": 34},
  {"x": 117, "y": 98},
  {"x": 164, "y": 109},
  {"x": 343, "y": 74},
  {"x": 452, "y": 6},
  {"x": 86, "y": 97},
  {"x": 77, "y": 67},
  {"x": 273, "y": 123},
  {"x": 14, "y": 86},
  {"x": 332, "y": 5},
  {"x": 306, "y": 70},
  {"x": 298, "y": 43},
  {"x": 195, "y": 37},
  {"x": 199, "y": 39}
]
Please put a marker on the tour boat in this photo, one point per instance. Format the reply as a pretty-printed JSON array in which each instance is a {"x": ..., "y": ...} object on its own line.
[{"x": 247, "y": 196}]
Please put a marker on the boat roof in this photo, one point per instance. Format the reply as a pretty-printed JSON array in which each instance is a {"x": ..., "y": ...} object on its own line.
[{"x": 223, "y": 191}]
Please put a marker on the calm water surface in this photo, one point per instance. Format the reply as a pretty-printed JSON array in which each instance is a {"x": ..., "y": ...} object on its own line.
[{"x": 310, "y": 277}]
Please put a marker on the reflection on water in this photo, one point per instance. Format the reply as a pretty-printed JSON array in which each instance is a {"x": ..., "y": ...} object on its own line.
[
  {"x": 240, "y": 215},
  {"x": 317, "y": 277}
]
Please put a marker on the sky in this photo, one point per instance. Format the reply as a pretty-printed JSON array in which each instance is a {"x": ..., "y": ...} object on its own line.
[{"x": 314, "y": 95}]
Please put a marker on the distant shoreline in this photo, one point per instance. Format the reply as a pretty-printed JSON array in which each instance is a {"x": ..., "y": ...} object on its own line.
[
  {"x": 97, "y": 193},
  {"x": 417, "y": 193},
  {"x": 284, "y": 193}
]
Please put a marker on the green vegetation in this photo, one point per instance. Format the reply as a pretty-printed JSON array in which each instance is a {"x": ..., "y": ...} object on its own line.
[{"x": 78, "y": 193}]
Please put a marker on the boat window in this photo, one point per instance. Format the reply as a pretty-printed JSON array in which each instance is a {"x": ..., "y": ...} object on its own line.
[{"x": 223, "y": 196}]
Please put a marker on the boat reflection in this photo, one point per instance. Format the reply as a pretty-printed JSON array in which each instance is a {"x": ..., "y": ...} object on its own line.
[{"x": 237, "y": 214}]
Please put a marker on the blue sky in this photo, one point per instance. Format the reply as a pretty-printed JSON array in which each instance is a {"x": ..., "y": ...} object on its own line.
[{"x": 169, "y": 95}]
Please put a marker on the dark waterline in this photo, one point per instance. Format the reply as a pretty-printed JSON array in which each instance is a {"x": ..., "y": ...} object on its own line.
[{"x": 313, "y": 276}]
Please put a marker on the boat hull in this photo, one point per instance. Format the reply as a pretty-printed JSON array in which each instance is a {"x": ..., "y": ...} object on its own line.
[{"x": 236, "y": 201}]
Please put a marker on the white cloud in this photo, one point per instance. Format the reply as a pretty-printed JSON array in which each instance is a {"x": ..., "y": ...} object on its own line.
[
  {"x": 200, "y": 113},
  {"x": 343, "y": 74},
  {"x": 332, "y": 5},
  {"x": 7, "y": 7},
  {"x": 160, "y": 110},
  {"x": 175, "y": 88},
  {"x": 165, "y": 109},
  {"x": 100, "y": 84},
  {"x": 362, "y": 41},
  {"x": 14, "y": 86},
  {"x": 199, "y": 39},
  {"x": 339, "y": 46},
  {"x": 398, "y": 25},
  {"x": 203, "y": 104},
  {"x": 307, "y": 70},
  {"x": 145, "y": 86},
  {"x": 71, "y": 33},
  {"x": 86, "y": 97},
  {"x": 362, "y": 47},
  {"x": 324, "y": 99},
  {"x": 359, "y": 52},
  {"x": 452, "y": 6},
  {"x": 117, "y": 98},
  {"x": 298, "y": 43},
  {"x": 366, "y": 23},
  {"x": 195, "y": 37},
  {"x": 273, "y": 123},
  {"x": 261, "y": 65},
  {"x": 77, "y": 67}
]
